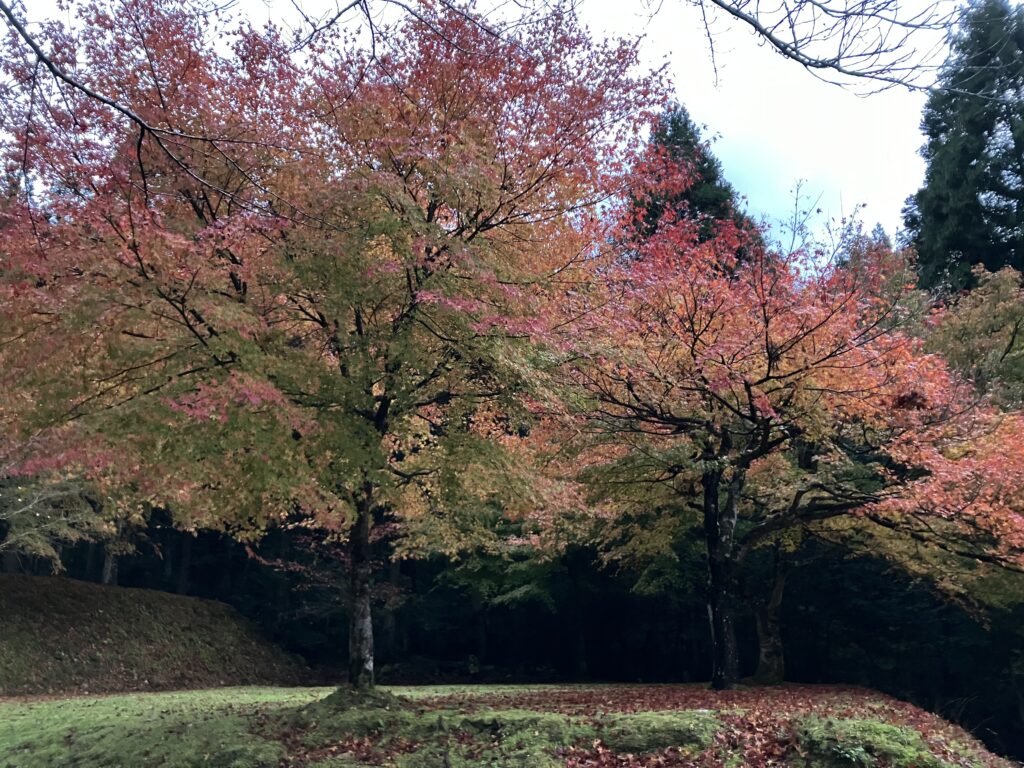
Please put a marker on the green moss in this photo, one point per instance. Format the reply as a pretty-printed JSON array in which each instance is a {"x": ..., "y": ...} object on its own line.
[
  {"x": 325, "y": 728},
  {"x": 513, "y": 724},
  {"x": 415, "y": 692},
  {"x": 444, "y": 737},
  {"x": 173, "y": 730},
  {"x": 965, "y": 753},
  {"x": 346, "y": 698},
  {"x": 499, "y": 738},
  {"x": 498, "y": 756},
  {"x": 829, "y": 743},
  {"x": 654, "y": 731}
]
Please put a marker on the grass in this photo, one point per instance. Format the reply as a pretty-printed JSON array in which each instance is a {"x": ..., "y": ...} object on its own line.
[
  {"x": 126, "y": 639},
  {"x": 487, "y": 726},
  {"x": 179, "y": 730}
]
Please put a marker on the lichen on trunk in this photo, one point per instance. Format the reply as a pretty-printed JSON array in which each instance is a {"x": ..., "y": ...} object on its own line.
[{"x": 360, "y": 638}]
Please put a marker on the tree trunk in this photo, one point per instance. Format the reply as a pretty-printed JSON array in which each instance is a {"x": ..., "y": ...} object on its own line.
[
  {"x": 770, "y": 659},
  {"x": 109, "y": 573},
  {"x": 724, "y": 654},
  {"x": 360, "y": 618},
  {"x": 719, "y": 527}
]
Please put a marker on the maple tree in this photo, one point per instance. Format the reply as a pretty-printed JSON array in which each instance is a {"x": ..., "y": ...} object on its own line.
[
  {"x": 262, "y": 287},
  {"x": 979, "y": 333},
  {"x": 772, "y": 393}
]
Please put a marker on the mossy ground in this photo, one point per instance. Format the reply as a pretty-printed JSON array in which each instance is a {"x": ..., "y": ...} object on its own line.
[
  {"x": 173, "y": 730},
  {"x": 491, "y": 727}
]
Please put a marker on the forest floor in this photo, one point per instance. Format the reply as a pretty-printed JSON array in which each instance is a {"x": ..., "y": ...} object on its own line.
[{"x": 487, "y": 726}]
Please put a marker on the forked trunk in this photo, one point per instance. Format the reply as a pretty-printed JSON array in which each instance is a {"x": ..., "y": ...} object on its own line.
[{"x": 360, "y": 618}]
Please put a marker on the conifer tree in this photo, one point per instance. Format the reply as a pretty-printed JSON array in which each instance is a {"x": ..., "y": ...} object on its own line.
[
  {"x": 709, "y": 198},
  {"x": 971, "y": 207}
]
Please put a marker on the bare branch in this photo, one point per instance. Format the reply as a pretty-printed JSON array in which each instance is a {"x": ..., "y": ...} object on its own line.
[{"x": 846, "y": 41}]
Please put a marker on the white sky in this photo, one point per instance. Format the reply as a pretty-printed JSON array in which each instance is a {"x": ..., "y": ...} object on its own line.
[
  {"x": 775, "y": 124},
  {"x": 772, "y": 122}
]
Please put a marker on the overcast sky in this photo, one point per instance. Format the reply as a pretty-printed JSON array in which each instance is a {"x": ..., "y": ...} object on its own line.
[{"x": 772, "y": 122}]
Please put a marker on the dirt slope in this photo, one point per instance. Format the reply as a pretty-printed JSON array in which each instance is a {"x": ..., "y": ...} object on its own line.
[{"x": 58, "y": 635}]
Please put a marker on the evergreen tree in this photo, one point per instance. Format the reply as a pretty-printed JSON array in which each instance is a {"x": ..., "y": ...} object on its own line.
[
  {"x": 971, "y": 208},
  {"x": 710, "y": 198}
]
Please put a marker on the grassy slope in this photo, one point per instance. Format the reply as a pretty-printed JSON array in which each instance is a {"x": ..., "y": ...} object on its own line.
[
  {"x": 59, "y": 635},
  {"x": 550, "y": 727}
]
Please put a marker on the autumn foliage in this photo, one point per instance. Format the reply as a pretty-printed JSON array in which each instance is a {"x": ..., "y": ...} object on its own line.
[
  {"x": 357, "y": 285},
  {"x": 767, "y": 391},
  {"x": 261, "y": 284}
]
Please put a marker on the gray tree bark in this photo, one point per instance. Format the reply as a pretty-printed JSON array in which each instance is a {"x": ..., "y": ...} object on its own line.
[{"x": 360, "y": 622}]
